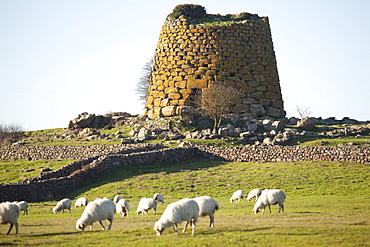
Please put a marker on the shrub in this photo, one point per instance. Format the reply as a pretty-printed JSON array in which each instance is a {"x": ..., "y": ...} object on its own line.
[
  {"x": 10, "y": 133},
  {"x": 188, "y": 10}
]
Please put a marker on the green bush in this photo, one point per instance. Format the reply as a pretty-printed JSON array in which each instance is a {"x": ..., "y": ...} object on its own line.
[{"x": 188, "y": 10}]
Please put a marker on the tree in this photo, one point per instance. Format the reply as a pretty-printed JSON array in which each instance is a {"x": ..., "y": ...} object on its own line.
[
  {"x": 219, "y": 101},
  {"x": 10, "y": 133},
  {"x": 303, "y": 111},
  {"x": 142, "y": 86}
]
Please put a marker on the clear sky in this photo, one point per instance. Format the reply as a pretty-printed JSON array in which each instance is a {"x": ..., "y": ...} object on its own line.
[{"x": 61, "y": 58}]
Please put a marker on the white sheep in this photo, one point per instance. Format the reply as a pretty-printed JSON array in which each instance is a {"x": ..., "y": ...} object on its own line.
[
  {"x": 177, "y": 212},
  {"x": 270, "y": 197},
  {"x": 23, "y": 206},
  {"x": 159, "y": 198},
  {"x": 116, "y": 199},
  {"x": 9, "y": 213},
  {"x": 254, "y": 194},
  {"x": 81, "y": 202},
  {"x": 207, "y": 206},
  {"x": 122, "y": 207},
  {"x": 146, "y": 204},
  {"x": 237, "y": 196},
  {"x": 63, "y": 204},
  {"x": 97, "y": 210}
]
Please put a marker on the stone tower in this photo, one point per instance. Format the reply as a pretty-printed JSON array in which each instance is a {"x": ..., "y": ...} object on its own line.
[{"x": 190, "y": 57}]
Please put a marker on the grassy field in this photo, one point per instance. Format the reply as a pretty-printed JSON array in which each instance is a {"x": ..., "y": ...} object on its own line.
[
  {"x": 17, "y": 170},
  {"x": 328, "y": 204}
]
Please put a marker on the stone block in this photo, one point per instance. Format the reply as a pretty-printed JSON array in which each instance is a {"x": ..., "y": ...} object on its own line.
[
  {"x": 168, "y": 111},
  {"x": 169, "y": 90},
  {"x": 157, "y": 102},
  {"x": 274, "y": 112},
  {"x": 174, "y": 96},
  {"x": 257, "y": 109},
  {"x": 241, "y": 108},
  {"x": 269, "y": 95},
  {"x": 257, "y": 95},
  {"x": 197, "y": 83},
  {"x": 165, "y": 102}
]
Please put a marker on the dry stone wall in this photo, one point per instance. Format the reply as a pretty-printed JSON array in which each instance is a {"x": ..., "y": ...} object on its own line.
[
  {"x": 267, "y": 153},
  {"x": 57, "y": 184},
  {"x": 71, "y": 152},
  {"x": 191, "y": 57}
]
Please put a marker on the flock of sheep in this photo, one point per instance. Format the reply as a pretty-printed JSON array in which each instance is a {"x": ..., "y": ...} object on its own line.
[{"x": 185, "y": 210}]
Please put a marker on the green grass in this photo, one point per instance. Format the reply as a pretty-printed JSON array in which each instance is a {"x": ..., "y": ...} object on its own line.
[
  {"x": 47, "y": 137},
  {"x": 330, "y": 142},
  {"x": 11, "y": 169},
  {"x": 327, "y": 205}
]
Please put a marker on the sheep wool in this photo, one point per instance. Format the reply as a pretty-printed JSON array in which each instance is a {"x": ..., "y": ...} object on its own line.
[
  {"x": 98, "y": 210},
  {"x": 184, "y": 210},
  {"x": 63, "y": 204},
  {"x": 207, "y": 206},
  {"x": 81, "y": 202},
  {"x": 254, "y": 194},
  {"x": 159, "y": 198},
  {"x": 145, "y": 205},
  {"x": 237, "y": 196},
  {"x": 270, "y": 197},
  {"x": 122, "y": 207},
  {"x": 9, "y": 213},
  {"x": 116, "y": 199},
  {"x": 23, "y": 206}
]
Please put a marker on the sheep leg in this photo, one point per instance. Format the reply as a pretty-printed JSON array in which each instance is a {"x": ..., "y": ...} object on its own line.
[
  {"x": 91, "y": 226},
  {"x": 102, "y": 226},
  {"x": 192, "y": 226},
  {"x": 270, "y": 209},
  {"x": 175, "y": 228},
  {"x": 185, "y": 226},
  {"x": 110, "y": 223},
  {"x": 281, "y": 207},
  {"x": 212, "y": 221},
  {"x": 10, "y": 228}
]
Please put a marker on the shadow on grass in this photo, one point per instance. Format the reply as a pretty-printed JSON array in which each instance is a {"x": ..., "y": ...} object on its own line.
[
  {"x": 231, "y": 231},
  {"x": 54, "y": 234},
  {"x": 127, "y": 172}
]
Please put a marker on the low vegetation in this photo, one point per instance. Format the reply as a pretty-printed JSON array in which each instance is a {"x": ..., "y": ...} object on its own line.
[
  {"x": 327, "y": 205},
  {"x": 16, "y": 170}
]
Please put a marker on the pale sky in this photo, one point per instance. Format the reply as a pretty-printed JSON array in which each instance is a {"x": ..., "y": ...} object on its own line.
[{"x": 61, "y": 58}]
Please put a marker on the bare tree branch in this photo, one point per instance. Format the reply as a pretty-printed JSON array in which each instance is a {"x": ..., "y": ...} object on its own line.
[
  {"x": 220, "y": 100},
  {"x": 142, "y": 86}
]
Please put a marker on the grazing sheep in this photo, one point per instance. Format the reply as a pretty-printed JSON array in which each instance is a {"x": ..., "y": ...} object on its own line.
[
  {"x": 122, "y": 207},
  {"x": 98, "y": 210},
  {"x": 254, "y": 194},
  {"x": 116, "y": 199},
  {"x": 177, "y": 212},
  {"x": 63, "y": 204},
  {"x": 207, "y": 206},
  {"x": 270, "y": 197},
  {"x": 9, "y": 213},
  {"x": 23, "y": 206},
  {"x": 237, "y": 196},
  {"x": 81, "y": 202},
  {"x": 159, "y": 198},
  {"x": 146, "y": 204}
]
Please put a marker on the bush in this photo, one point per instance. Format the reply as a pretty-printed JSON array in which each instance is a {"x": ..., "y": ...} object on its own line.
[
  {"x": 10, "y": 133},
  {"x": 188, "y": 10}
]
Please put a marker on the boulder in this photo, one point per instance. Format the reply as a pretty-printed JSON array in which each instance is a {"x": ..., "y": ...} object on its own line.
[{"x": 306, "y": 124}]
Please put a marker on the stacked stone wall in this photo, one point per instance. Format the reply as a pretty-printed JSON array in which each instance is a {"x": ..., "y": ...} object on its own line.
[
  {"x": 71, "y": 152},
  {"x": 191, "y": 57},
  {"x": 59, "y": 183},
  {"x": 55, "y": 185}
]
